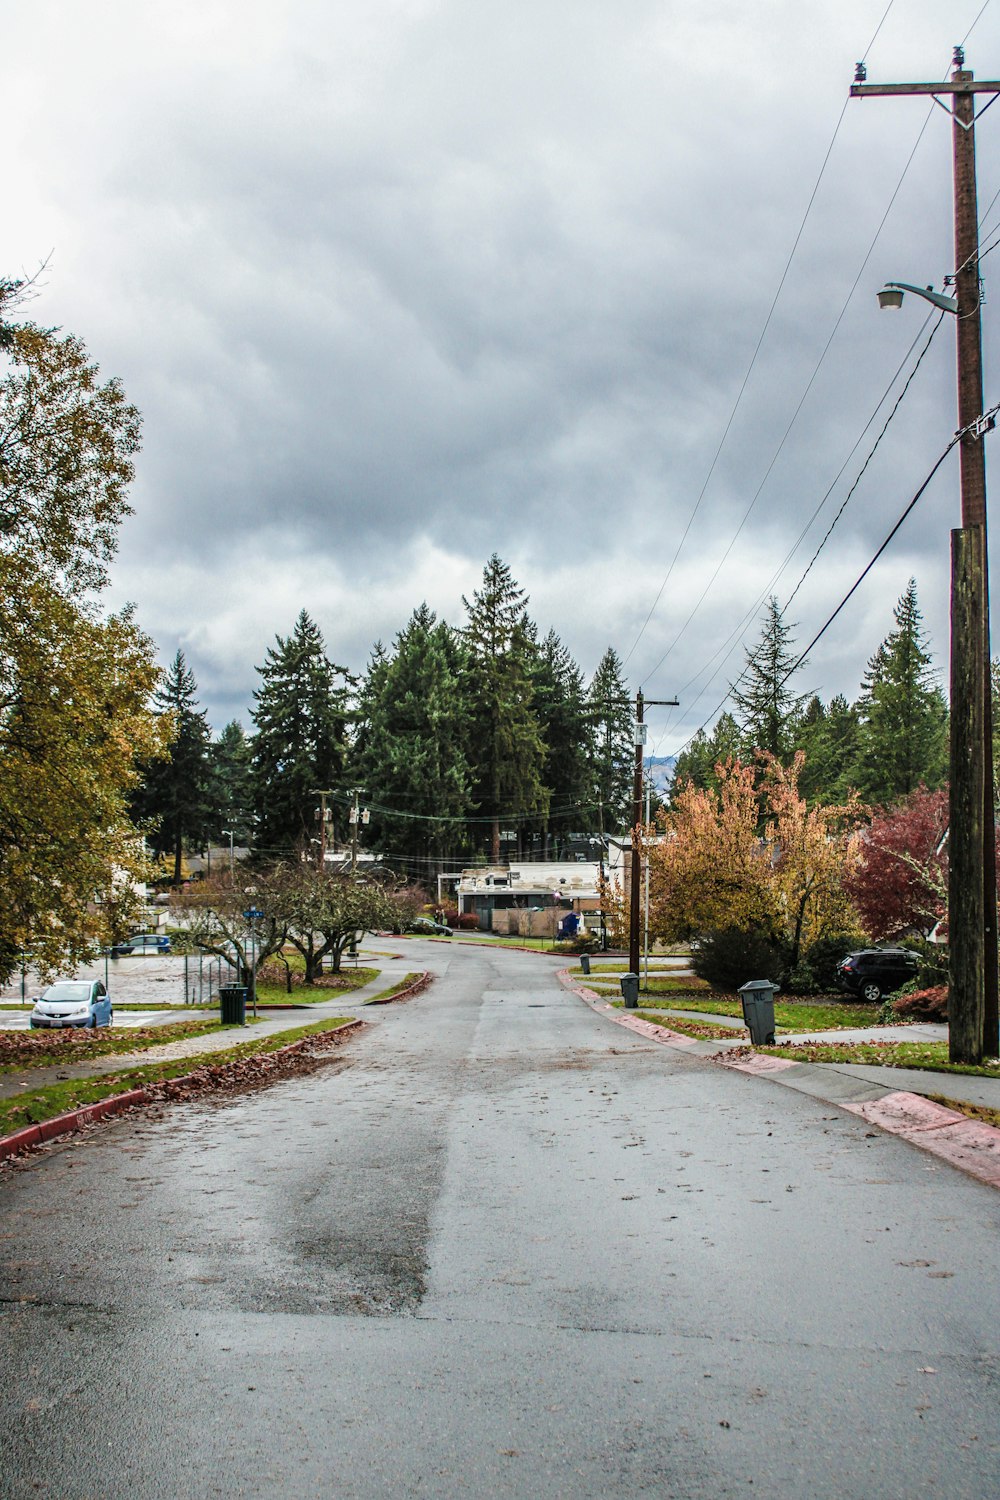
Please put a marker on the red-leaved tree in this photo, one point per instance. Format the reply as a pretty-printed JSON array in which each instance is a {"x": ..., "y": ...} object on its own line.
[{"x": 900, "y": 883}]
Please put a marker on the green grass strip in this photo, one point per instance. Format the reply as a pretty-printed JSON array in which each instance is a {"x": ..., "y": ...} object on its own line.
[
  {"x": 35, "y": 1105},
  {"x": 790, "y": 1015},
  {"x": 394, "y": 989},
  {"x": 318, "y": 994},
  {"x": 932, "y": 1056},
  {"x": 701, "y": 1029},
  {"x": 46, "y": 1049}
]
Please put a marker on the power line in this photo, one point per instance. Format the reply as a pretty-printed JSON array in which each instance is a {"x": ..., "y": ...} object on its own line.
[
  {"x": 858, "y": 581},
  {"x": 729, "y": 644},
  {"x": 753, "y": 358},
  {"x": 861, "y": 576}
]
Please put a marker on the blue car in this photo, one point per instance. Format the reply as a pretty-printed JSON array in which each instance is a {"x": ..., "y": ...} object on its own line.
[{"x": 73, "y": 1002}]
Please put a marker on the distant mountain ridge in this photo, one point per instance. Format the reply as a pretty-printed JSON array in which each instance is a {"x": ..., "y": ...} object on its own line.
[{"x": 660, "y": 769}]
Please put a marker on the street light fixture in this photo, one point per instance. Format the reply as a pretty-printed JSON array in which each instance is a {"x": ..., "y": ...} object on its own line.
[
  {"x": 891, "y": 295},
  {"x": 973, "y": 939},
  {"x": 972, "y": 909}
]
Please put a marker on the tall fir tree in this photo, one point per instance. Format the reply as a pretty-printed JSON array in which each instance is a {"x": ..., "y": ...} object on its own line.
[
  {"x": 830, "y": 736},
  {"x": 175, "y": 797},
  {"x": 300, "y": 744},
  {"x": 767, "y": 709},
  {"x": 412, "y": 758},
  {"x": 903, "y": 713},
  {"x": 612, "y": 720},
  {"x": 232, "y": 801},
  {"x": 697, "y": 763},
  {"x": 567, "y": 731},
  {"x": 506, "y": 750}
]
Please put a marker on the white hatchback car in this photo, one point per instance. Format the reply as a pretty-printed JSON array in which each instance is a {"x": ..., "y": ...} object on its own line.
[{"x": 73, "y": 1002}]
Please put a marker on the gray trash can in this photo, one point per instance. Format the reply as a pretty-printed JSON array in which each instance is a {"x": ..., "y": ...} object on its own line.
[
  {"x": 585, "y": 962},
  {"x": 757, "y": 998},
  {"x": 630, "y": 991},
  {"x": 233, "y": 1001}
]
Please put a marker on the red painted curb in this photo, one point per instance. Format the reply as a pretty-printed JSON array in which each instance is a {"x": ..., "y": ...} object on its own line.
[
  {"x": 74, "y": 1119},
  {"x": 116, "y": 1104},
  {"x": 967, "y": 1144}
]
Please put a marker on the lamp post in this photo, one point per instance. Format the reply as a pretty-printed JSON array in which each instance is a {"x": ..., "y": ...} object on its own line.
[
  {"x": 231, "y": 859},
  {"x": 972, "y": 909},
  {"x": 972, "y": 950}
]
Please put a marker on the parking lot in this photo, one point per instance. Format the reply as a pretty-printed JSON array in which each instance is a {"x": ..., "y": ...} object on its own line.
[{"x": 152, "y": 979}]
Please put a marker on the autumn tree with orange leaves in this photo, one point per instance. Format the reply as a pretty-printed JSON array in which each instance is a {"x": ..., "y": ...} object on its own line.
[{"x": 750, "y": 853}]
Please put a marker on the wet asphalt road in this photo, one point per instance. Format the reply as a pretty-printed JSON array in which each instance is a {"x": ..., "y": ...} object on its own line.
[{"x": 498, "y": 1248}]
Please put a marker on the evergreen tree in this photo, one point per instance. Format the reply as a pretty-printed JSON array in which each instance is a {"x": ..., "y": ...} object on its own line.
[
  {"x": 506, "y": 750},
  {"x": 830, "y": 737},
  {"x": 175, "y": 796},
  {"x": 413, "y": 755},
  {"x": 230, "y": 764},
  {"x": 301, "y": 741},
  {"x": 698, "y": 762},
  {"x": 567, "y": 732},
  {"x": 613, "y": 743},
  {"x": 368, "y": 696},
  {"x": 767, "y": 709},
  {"x": 904, "y": 716}
]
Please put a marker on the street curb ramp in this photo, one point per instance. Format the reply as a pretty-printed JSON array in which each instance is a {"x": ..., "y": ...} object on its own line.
[{"x": 40, "y": 1133}]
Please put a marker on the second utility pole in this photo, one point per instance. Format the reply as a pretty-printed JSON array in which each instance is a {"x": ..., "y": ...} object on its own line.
[{"x": 633, "y": 885}]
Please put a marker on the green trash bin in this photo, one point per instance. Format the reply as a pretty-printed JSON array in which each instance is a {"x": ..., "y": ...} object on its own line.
[
  {"x": 630, "y": 990},
  {"x": 585, "y": 962},
  {"x": 233, "y": 1002},
  {"x": 757, "y": 999}
]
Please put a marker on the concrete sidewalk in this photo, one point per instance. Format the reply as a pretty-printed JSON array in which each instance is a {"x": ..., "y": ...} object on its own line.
[
  {"x": 966, "y": 1088},
  {"x": 901, "y": 1101},
  {"x": 269, "y": 1023}
]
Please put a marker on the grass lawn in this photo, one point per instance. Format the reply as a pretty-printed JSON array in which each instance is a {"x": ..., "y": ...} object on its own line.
[
  {"x": 316, "y": 994},
  {"x": 394, "y": 989},
  {"x": 657, "y": 971},
  {"x": 659, "y": 984},
  {"x": 790, "y": 1015},
  {"x": 702, "y": 1029},
  {"x": 35, "y": 1105},
  {"x": 933, "y": 1055},
  {"x": 974, "y": 1111},
  {"x": 543, "y": 945},
  {"x": 45, "y": 1049}
]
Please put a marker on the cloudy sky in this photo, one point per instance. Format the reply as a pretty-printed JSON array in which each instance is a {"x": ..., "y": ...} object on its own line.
[{"x": 403, "y": 283}]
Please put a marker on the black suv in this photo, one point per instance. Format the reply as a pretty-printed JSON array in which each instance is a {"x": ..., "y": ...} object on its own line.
[{"x": 874, "y": 972}]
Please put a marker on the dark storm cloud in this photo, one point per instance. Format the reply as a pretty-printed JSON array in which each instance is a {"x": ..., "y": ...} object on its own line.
[{"x": 396, "y": 286}]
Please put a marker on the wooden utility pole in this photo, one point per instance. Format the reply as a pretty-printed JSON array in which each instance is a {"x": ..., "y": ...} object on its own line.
[
  {"x": 322, "y": 825},
  {"x": 634, "y": 882},
  {"x": 972, "y": 890}
]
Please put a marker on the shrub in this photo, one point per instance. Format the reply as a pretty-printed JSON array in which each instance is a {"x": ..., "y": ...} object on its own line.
[
  {"x": 815, "y": 972},
  {"x": 729, "y": 956},
  {"x": 932, "y": 970},
  {"x": 922, "y": 1005},
  {"x": 468, "y": 920},
  {"x": 584, "y": 942},
  {"x": 450, "y": 916}
]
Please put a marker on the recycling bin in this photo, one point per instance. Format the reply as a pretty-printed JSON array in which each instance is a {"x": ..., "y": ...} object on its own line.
[
  {"x": 585, "y": 962},
  {"x": 233, "y": 1002},
  {"x": 757, "y": 999},
  {"x": 630, "y": 991}
]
